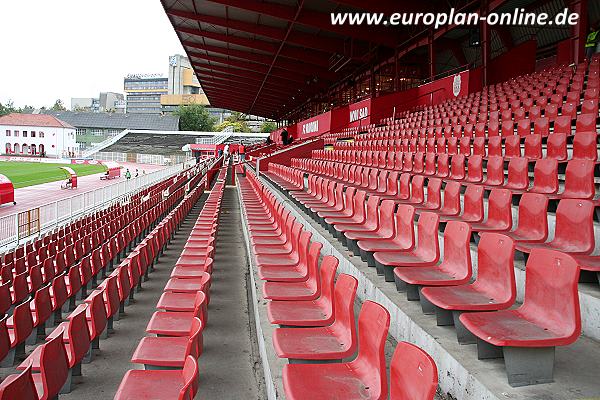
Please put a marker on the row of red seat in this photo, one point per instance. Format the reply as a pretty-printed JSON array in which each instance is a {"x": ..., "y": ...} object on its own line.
[
  {"x": 574, "y": 228},
  {"x": 584, "y": 146},
  {"x": 27, "y": 268},
  {"x": 47, "y": 371},
  {"x": 578, "y": 181},
  {"x": 556, "y": 102},
  {"x": 170, "y": 358},
  {"x": 547, "y": 318},
  {"x": 318, "y": 315}
]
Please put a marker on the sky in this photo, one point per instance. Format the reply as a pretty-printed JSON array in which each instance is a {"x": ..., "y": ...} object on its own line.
[{"x": 79, "y": 48}]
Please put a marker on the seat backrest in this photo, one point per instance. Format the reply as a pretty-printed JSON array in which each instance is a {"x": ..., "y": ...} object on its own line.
[
  {"x": 551, "y": 293},
  {"x": 427, "y": 233},
  {"x": 344, "y": 325},
  {"x": 457, "y": 250},
  {"x": 405, "y": 227},
  {"x": 499, "y": 207},
  {"x": 413, "y": 374},
  {"x": 495, "y": 171},
  {"x": 54, "y": 365},
  {"x": 512, "y": 146},
  {"x": 194, "y": 338},
  {"x": 533, "y": 216},
  {"x": 79, "y": 334},
  {"x": 314, "y": 280},
  {"x": 574, "y": 229},
  {"x": 23, "y": 321},
  {"x": 4, "y": 338},
  {"x": 579, "y": 179},
  {"x": 373, "y": 325},
  {"x": 97, "y": 312},
  {"x": 495, "y": 268},
  {"x": 19, "y": 387},
  {"x": 475, "y": 168},
  {"x": 190, "y": 379},
  {"x": 585, "y": 145}
]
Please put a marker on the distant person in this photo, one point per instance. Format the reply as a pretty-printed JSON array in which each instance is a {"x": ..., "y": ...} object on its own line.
[
  {"x": 128, "y": 174},
  {"x": 226, "y": 151},
  {"x": 290, "y": 139},
  {"x": 242, "y": 152},
  {"x": 268, "y": 141},
  {"x": 137, "y": 173},
  {"x": 219, "y": 152},
  {"x": 284, "y": 137},
  {"x": 591, "y": 41}
]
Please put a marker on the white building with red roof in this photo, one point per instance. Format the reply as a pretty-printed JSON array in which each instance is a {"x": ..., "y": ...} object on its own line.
[{"x": 36, "y": 135}]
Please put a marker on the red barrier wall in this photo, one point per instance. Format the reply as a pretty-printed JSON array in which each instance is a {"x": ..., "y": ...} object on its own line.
[
  {"x": 285, "y": 157},
  {"x": 314, "y": 126},
  {"x": 429, "y": 94}
]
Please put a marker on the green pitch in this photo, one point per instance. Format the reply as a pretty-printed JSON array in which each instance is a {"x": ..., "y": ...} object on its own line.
[{"x": 30, "y": 173}]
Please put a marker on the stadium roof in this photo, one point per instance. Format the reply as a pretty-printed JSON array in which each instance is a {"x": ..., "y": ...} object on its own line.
[
  {"x": 40, "y": 120},
  {"x": 118, "y": 121},
  {"x": 266, "y": 57},
  {"x": 270, "y": 57}
]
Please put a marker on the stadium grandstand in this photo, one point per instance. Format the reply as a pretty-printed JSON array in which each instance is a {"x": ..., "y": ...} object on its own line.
[{"x": 423, "y": 223}]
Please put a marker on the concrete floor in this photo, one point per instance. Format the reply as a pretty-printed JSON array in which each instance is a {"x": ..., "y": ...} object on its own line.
[{"x": 230, "y": 365}]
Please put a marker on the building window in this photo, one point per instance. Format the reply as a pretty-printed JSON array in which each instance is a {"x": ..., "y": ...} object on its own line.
[
  {"x": 32, "y": 133},
  {"x": 24, "y": 133},
  {"x": 80, "y": 131},
  {"x": 41, "y": 134},
  {"x": 16, "y": 133},
  {"x": 8, "y": 132}
]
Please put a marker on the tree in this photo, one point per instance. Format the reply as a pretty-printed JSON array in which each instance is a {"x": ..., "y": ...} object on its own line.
[
  {"x": 195, "y": 117},
  {"x": 268, "y": 126},
  {"x": 237, "y": 121},
  {"x": 7, "y": 108},
  {"x": 58, "y": 106}
]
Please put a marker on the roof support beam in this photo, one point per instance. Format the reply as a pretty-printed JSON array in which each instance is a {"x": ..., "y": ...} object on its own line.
[
  {"x": 259, "y": 58},
  {"x": 246, "y": 73},
  {"x": 315, "y": 19},
  {"x": 252, "y": 66},
  {"x": 298, "y": 38},
  {"x": 256, "y": 44},
  {"x": 247, "y": 85}
]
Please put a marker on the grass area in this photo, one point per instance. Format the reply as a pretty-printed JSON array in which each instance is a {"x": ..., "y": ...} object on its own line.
[{"x": 24, "y": 174}]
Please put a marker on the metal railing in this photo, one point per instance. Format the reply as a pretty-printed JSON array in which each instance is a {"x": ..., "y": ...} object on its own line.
[
  {"x": 96, "y": 147},
  {"x": 65, "y": 210}
]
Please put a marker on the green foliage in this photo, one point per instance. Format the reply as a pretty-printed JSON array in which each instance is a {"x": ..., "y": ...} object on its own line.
[
  {"x": 195, "y": 117},
  {"x": 268, "y": 126},
  {"x": 7, "y": 108},
  {"x": 237, "y": 121},
  {"x": 58, "y": 106}
]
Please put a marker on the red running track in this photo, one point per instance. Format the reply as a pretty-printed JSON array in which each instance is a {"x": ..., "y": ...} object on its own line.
[{"x": 34, "y": 196}]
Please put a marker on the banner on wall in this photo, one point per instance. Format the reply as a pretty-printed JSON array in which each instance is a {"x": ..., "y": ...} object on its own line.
[
  {"x": 314, "y": 126},
  {"x": 359, "y": 114}
]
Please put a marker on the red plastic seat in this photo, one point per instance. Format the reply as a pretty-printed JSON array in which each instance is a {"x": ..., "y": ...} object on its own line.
[
  {"x": 495, "y": 172},
  {"x": 169, "y": 352},
  {"x": 474, "y": 169},
  {"x": 493, "y": 289},
  {"x": 512, "y": 146},
  {"x": 557, "y": 146},
  {"x": 426, "y": 252},
  {"x": 178, "y": 384},
  {"x": 19, "y": 387},
  {"x": 295, "y": 273},
  {"x": 545, "y": 176},
  {"x": 533, "y": 219},
  {"x": 307, "y": 290},
  {"x": 54, "y": 369},
  {"x": 334, "y": 342},
  {"x": 295, "y": 259},
  {"x": 362, "y": 378},
  {"x": 499, "y": 216},
  {"x": 189, "y": 285},
  {"x": 574, "y": 229},
  {"x": 585, "y": 145},
  {"x": 370, "y": 222},
  {"x": 548, "y": 317},
  {"x": 413, "y": 374},
  {"x": 455, "y": 268},
  {"x": 473, "y": 206},
  {"x": 533, "y": 146},
  {"x": 385, "y": 228},
  {"x": 170, "y": 323},
  {"x": 180, "y": 302}
]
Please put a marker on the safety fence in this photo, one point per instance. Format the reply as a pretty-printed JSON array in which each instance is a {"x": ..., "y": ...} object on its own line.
[{"x": 19, "y": 227}]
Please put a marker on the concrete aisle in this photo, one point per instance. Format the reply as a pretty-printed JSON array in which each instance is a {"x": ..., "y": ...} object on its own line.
[{"x": 229, "y": 365}]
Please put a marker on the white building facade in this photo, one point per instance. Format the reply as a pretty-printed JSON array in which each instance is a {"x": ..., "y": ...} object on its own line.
[{"x": 36, "y": 135}]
